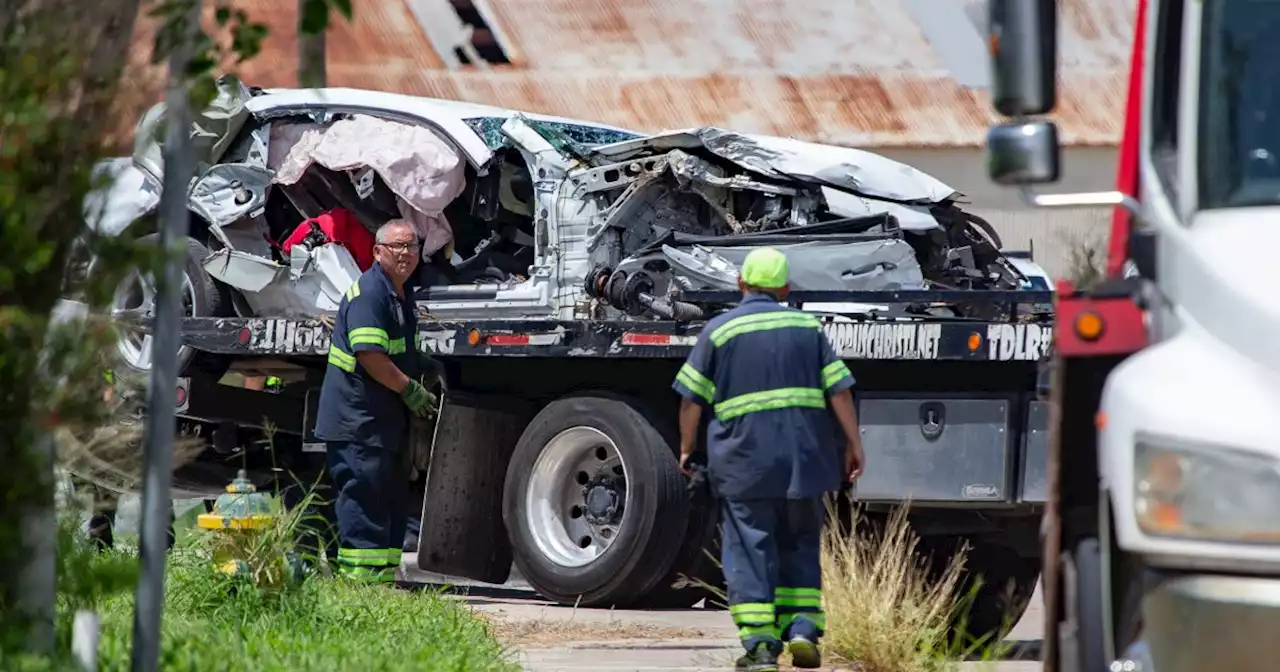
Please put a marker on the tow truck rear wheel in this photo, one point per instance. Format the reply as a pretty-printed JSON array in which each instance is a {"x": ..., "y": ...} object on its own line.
[
  {"x": 995, "y": 587},
  {"x": 594, "y": 502}
]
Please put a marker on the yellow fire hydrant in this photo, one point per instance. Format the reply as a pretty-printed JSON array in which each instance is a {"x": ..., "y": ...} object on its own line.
[{"x": 242, "y": 515}]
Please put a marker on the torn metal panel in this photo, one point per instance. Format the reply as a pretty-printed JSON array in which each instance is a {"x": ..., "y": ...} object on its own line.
[
  {"x": 226, "y": 192},
  {"x": 122, "y": 194},
  {"x": 857, "y": 266},
  {"x": 246, "y": 272},
  {"x": 702, "y": 267},
  {"x": 854, "y": 170},
  {"x": 312, "y": 285}
]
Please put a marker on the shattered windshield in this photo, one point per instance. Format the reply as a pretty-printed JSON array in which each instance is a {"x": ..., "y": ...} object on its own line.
[
  {"x": 1239, "y": 134},
  {"x": 490, "y": 130}
]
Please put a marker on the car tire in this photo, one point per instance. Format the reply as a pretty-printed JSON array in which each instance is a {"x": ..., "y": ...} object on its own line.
[
  {"x": 203, "y": 297},
  {"x": 562, "y": 492},
  {"x": 1081, "y": 631}
]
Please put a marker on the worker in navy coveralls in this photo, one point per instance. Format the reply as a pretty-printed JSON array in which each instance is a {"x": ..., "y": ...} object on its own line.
[
  {"x": 368, "y": 393},
  {"x": 774, "y": 386}
]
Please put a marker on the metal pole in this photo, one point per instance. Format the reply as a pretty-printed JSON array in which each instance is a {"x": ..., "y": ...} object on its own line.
[
  {"x": 179, "y": 165},
  {"x": 37, "y": 576},
  {"x": 311, "y": 56}
]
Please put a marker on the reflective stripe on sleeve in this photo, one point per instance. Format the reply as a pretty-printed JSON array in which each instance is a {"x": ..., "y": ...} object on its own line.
[
  {"x": 369, "y": 336},
  {"x": 834, "y": 373},
  {"x": 770, "y": 400},
  {"x": 342, "y": 360},
  {"x": 354, "y": 291},
  {"x": 780, "y": 319},
  {"x": 697, "y": 383}
]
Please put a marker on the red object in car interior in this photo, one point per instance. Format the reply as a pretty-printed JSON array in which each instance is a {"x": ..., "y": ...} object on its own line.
[{"x": 339, "y": 226}]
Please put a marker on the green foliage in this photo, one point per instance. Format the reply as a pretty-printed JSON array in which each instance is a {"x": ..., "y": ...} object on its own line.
[
  {"x": 60, "y": 68},
  {"x": 219, "y": 622}
]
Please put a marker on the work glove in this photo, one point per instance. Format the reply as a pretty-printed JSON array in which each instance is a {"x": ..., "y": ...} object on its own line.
[{"x": 417, "y": 398}]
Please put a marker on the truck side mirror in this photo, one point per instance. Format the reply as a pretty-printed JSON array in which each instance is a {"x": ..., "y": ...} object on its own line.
[
  {"x": 1022, "y": 153},
  {"x": 1022, "y": 36}
]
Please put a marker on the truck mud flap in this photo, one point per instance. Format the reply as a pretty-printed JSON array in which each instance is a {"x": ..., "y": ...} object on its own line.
[{"x": 462, "y": 530}]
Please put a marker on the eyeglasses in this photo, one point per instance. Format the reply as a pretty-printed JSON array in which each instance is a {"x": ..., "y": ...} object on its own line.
[{"x": 401, "y": 247}]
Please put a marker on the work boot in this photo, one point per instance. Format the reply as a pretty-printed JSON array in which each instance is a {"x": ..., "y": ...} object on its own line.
[
  {"x": 759, "y": 659},
  {"x": 804, "y": 653}
]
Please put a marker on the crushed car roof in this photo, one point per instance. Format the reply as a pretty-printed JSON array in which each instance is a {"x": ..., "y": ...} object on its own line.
[{"x": 850, "y": 176}]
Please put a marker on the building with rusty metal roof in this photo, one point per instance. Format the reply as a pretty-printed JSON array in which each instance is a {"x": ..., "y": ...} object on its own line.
[{"x": 866, "y": 73}]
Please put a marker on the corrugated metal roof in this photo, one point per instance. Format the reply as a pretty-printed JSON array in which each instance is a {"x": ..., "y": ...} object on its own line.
[{"x": 857, "y": 72}]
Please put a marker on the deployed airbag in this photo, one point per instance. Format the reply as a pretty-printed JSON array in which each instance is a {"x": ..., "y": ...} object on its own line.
[{"x": 414, "y": 162}]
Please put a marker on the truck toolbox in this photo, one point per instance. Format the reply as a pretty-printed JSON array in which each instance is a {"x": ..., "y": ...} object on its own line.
[
  {"x": 935, "y": 448},
  {"x": 1035, "y": 453}
]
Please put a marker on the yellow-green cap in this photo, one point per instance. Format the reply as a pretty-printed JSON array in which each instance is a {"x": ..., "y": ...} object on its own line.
[{"x": 765, "y": 267}]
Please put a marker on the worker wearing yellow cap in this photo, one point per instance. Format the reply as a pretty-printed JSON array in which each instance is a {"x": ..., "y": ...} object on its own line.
[{"x": 777, "y": 393}]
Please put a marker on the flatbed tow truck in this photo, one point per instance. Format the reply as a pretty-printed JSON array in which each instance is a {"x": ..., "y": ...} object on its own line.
[
  {"x": 949, "y": 410},
  {"x": 585, "y": 261}
]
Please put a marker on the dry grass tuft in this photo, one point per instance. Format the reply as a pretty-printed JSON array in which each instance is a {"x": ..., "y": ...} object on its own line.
[
  {"x": 886, "y": 611},
  {"x": 110, "y": 455}
]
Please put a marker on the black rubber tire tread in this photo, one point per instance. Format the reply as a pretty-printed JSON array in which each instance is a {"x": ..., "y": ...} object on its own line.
[
  {"x": 1082, "y": 610},
  {"x": 212, "y": 299},
  {"x": 655, "y": 518},
  {"x": 1008, "y": 582},
  {"x": 681, "y": 587}
]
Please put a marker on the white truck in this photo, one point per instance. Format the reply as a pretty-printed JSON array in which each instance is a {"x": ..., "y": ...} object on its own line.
[{"x": 1161, "y": 524}]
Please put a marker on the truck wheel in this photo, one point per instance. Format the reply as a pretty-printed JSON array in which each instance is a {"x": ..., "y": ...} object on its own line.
[
  {"x": 594, "y": 502},
  {"x": 201, "y": 297},
  {"x": 1008, "y": 581},
  {"x": 1081, "y": 637},
  {"x": 696, "y": 574}
]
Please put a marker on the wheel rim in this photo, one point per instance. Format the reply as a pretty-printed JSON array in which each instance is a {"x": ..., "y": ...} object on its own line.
[
  {"x": 575, "y": 503},
  {"x": 135, "y": 299}
]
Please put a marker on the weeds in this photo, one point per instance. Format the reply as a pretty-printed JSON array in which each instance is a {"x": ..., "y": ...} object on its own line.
[
  {"x": 281, "y": 611},
  {"x": 887, "y": 608}
]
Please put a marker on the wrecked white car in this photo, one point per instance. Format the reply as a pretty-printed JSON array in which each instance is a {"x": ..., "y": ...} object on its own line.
[{"x": 528, "y": 216}]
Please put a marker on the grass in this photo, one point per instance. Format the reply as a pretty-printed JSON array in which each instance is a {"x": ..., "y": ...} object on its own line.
[
  {"x": 887, "y": 610},
  {"x": 268, "y": 619}
]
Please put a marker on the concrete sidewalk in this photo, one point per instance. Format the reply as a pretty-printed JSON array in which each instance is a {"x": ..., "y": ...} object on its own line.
[{"x": 554, "y": 638}]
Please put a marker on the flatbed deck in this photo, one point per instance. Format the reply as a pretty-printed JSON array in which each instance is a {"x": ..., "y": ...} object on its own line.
[{"x": 854, "y": 337}]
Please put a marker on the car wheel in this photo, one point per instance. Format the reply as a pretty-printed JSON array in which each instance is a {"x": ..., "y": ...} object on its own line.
[
  {"x": 594, "y": 503},
  {"x": 135, "y": 297}
]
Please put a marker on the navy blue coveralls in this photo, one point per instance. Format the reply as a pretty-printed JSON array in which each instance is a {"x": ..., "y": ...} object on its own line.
[
  {"x": 365, "y": 426},
  {"x": 766, "y": 371}
]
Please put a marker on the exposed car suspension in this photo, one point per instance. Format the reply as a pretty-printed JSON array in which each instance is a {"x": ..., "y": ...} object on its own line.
[{"x": 634, "y": 294}]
